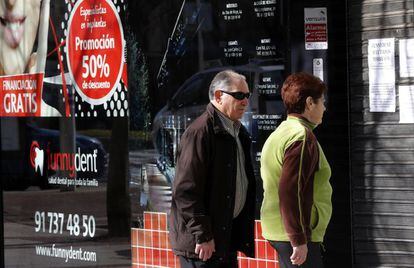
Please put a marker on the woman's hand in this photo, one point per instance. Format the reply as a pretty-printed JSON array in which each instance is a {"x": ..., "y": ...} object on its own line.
[{"x": 299, "y": 254}]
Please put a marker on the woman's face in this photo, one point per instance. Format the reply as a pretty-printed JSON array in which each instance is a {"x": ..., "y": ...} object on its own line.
[{"x": 316, "y": 108}]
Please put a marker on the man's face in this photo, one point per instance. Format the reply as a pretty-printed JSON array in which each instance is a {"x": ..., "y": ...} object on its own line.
[
  {"x": 19, "y": 20},
  {"x": 230, "y": 106}
]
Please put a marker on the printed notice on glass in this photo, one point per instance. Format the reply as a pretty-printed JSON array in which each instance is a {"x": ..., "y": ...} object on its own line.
[
  {"x": 318, "y": 68},
  {"x": 266, "y": 48},
  {"x": 265, "y": 8},
  {"x": 406, "y": 104},
  {"x": 381, "y": 64},
  {"x": 232, "y": 12},
  {"x": 407, "y": 58},
  {"x": 316, "y": 28},
  {"x": 233, "y": 49}
]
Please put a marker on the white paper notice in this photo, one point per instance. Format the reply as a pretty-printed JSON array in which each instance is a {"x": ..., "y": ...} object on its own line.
[
  {"x": 406, "y": 104},
  {"x": 318, "y": 68},
  {"x": 381, "y": 64},
  {"x": 407, "y": 58}
]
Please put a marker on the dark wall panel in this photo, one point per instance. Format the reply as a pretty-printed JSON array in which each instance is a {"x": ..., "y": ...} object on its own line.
[
  {"x": 333, "y": 132},
  {"x": 382, "y": 149}
]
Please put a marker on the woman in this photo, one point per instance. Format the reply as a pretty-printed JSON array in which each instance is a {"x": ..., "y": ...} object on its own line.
[{"x": 297, "y": 207}]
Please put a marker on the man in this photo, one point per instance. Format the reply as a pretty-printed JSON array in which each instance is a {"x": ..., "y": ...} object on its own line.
[{"x": 213, "y": 202}]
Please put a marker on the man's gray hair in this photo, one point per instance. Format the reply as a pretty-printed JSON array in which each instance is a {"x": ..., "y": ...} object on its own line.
[{"x": 223, "y": 80}]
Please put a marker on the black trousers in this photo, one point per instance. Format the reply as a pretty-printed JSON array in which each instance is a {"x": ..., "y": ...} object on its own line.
[
  {"x": 284, "y": 249},
  {"x": 213, "y": 262}
]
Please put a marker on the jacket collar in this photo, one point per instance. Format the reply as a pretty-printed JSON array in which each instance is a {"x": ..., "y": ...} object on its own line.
[
  {"x": 302, "y": 120},
  {"x": 218, "y": 125}
]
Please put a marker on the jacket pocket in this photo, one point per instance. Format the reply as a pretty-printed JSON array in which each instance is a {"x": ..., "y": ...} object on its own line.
[{"x": 314, "y": 217}]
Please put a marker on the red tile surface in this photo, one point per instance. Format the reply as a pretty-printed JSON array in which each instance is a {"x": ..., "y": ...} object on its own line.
[
  {"x": 243, "y": 263},
  {"x": 148, "y": 256},
  {"x": 151, "y": 246},
  {"x": 155, "y": 239},
  {"x": 168, "y": 242},
  {"x": 164, "y": 240},
  {"x": 252, "y": 263},
  {"x": 261, "y": 263},
  {"x": 134, "y": 236},
  {"x": 271, "y": 253},
  {"x": 156, "y": 257},
  {"x": 147, "y": 221},
  {"x": 171, "y": 259},
  {"x": 163, "y": 258},
  {"x": 163, "y": 222},
  {"x": 140, "y": 237},
  {"x": 134, "y": 252},
  {"x": 260, "y": 249},
  {"x": 258, "y": 230},
  {"x": 155, "y": 218},
  {"x": 141, "y": 256},
  {"x": 155, "y": 221}
]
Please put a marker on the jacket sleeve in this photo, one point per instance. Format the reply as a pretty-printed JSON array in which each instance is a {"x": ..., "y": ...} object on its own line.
[
  {"x": 296, "y": 189},
  {"x": 190, "y": 184}
]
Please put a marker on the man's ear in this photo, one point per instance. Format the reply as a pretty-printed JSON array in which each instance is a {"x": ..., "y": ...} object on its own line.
[{"x": 217, "y": 96}]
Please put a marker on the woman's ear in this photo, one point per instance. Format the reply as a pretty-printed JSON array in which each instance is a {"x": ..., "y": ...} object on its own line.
[{"x": 309, "y": 102}]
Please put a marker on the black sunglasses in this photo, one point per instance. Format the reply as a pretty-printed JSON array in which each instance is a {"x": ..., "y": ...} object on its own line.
[{"x": 238, "y": 95}]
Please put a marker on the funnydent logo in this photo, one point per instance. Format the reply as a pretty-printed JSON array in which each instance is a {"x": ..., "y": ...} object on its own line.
[
  {"x": 63, "y": 161},
  {"x": 37, "y": 157}
]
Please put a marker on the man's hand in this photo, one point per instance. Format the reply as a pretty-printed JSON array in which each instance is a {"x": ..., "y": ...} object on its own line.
[
  {"x": 205, "y": 250},
  {"x": 299, "y": 254}
]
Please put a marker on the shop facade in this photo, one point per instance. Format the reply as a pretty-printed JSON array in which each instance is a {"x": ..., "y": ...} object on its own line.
[{"x": 96, "y": 99}]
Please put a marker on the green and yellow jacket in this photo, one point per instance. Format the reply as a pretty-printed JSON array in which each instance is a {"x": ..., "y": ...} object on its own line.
[{"x": 297, "y": 194}]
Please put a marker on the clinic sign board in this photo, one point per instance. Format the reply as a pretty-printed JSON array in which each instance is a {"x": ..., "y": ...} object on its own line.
[
  {"x": 60, "y": 53},
  {"x": 63, "y": 83}
]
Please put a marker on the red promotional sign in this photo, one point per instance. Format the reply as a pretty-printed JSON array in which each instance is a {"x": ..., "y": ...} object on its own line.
[
  {"x": 21, "y": 95},
  {"x": 95, "y": 46},
  {"x": 315, "y": 33}
]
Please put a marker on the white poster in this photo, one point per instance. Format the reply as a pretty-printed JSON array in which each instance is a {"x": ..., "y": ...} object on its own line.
[
  {"x": 407, "y": 58},
  {"x": 318, "y": 68},
  {"x": 406, "y": 104},
  {"x": 316, "y": 28},
  {"x": 381, "y": 65}
]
